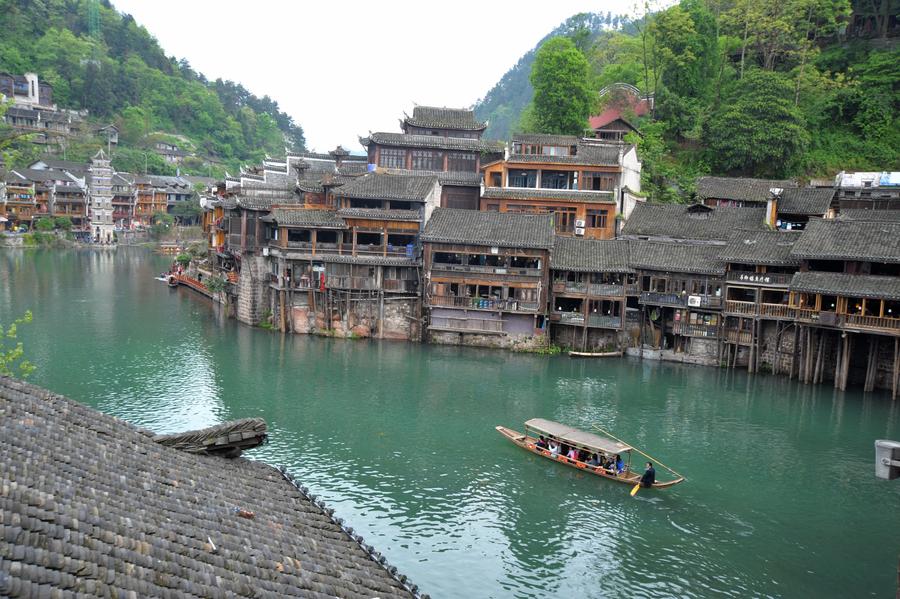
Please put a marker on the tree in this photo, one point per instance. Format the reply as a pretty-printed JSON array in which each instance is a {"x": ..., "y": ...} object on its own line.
[
  {"x": 12, "y": 352},
  {"x": 563, "y": 98},
  {"x": 186, "y": 212},
  {"x": 44, "y": 225},
  {"x": 758, "y": 131},
  {"x": 161, "y": 223},
  {"x": 64, "y": 223}
]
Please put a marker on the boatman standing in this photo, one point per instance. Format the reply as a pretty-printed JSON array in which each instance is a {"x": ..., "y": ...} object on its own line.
[{"x": 649, "y": 476}]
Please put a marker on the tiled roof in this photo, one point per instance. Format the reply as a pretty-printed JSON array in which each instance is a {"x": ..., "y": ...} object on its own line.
[
  {"x": 761, "y": 247},
  {"x": 93, "y": 506},
  {"x": 836, "y": 283},
  {"x": 444, "y": 118},
  {"x": 310, "y": 185},
  {"x": 461, "y": 178},
  {"x": 377, "y": 186},
  {"x": 304, "y": 217},
  {"x": 264, "y": 203},
  {"x": 544, "y": 139},
  {"x": 526, "y": 193},
  {"x": 590, "y": 255},
  {"x": 433, "y": 141},
  {"x": 849, "y": 240},
  {"x": 678, "y": 221},
  {"x": 379, "y": 214},
  {"x": 739, "y": 188},
  {"x": 873, "y": 216},
  {"x": 677, "y": 257},
  {"x": 813, "y": 201},
  {"x": 588, "y": 154},
  {"x": 472, "y": 227}
]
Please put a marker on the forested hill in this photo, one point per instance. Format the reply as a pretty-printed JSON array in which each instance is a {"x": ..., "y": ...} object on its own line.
[
  {"x": 100, "y": 60},
  {"x": 504, "y": 103},
  {"x": 761, "y": 88}
]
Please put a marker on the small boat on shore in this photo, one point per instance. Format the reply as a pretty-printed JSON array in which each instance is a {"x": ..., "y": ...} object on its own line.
[
  {"x": 595, "y": 354},
  {"x": 570, "y": 437}
]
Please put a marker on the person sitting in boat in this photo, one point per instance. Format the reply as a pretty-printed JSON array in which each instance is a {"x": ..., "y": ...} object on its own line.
[
  {"x": 649, "y": 476},
  {"x": 594, "y": 461},
  {"x": 553, "y": 446},
  {"x": 573, "y": 454},
  {"x": 610, "y": 465},
  {"x": 542, "y": 442},
  {"x": 620, "y": 464}
]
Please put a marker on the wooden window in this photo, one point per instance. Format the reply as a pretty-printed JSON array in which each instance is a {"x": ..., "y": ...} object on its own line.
[
  {"x": 427, "y": 160},
  {"x": 461, "y": 161},
  {"x": 392, "y": 158},
  {"x": 596, "y": 219},
  {"x": 598, "y": 181}
]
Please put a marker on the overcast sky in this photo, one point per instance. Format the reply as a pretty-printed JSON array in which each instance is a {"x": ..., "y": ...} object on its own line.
[{"x": 344, "y": 68}]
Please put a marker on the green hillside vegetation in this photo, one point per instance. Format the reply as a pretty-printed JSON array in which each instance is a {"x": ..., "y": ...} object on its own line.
[
  {"x": 763, "y": 88},
  {"x": 100, "y": 60}
]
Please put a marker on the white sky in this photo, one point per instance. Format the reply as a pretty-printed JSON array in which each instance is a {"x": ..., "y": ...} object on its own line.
[{"x": 341, "y": 69}]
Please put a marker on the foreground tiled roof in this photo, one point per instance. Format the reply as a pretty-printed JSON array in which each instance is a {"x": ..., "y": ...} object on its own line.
[
  {"x": 587, "y": 154},
  {"x": 676, "y": 257},
  {"x": 771, "y": 248},
  {"x": 461, "y": 178},
  {"x": 812, "y": 201},
  {"x": 739, "y": 188},
  {"x": 472, "y": 227},
  {"x": 545, "y": 139},
  {"x": 527, "y": 193},
  {"x": 678, "y": 221},
  {"x": 433, "y": 141},
  {"x": 836, "y": 283},
  {"x": 381, "y": 214},
  {"x": 377, "y": 186},
  {"x": 873, "y": 216},
  {"x": 850, "y": 240},
  {"x": 91, "y": 506},
  {"x": 590, "y": 255},
  {"x": 305, "y": 217},
  {"x": 445, "y": 118},
  {"x": 265, "y": 203}
]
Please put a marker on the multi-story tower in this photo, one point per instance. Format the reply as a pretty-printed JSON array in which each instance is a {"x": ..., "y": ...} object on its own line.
[{"x": 101, "y": 211}]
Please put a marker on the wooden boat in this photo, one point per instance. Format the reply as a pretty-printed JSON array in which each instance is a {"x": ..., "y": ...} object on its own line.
[
  {"x": 584, "y": 441},
  {"x": 173, "y": 281},
  {"x": 595, "y": 354}
]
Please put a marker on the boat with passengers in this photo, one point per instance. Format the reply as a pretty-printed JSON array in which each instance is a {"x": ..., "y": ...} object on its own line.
[{"x": 588, "y": 444}]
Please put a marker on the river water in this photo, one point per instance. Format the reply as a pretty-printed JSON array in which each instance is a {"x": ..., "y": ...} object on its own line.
[{"x": 780, "y": 498}]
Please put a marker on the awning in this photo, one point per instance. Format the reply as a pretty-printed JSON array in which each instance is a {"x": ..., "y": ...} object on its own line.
[{"x": 573, "y": 436}]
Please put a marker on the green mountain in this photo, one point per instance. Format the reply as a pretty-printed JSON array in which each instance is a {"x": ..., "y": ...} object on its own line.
[
  {"x": 103, "y": 61},
  {"x": 502, "y": 106}
]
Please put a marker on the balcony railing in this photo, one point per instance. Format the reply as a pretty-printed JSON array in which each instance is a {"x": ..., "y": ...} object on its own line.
[
  {"x": 604, "y": 322},
  {"x": 759, "y": 278},
  {"x": 777, "y": 311},
  {"x": 596, "y": 289},
  {"x": 871, "y": 322},
  {"x": 695, "y": 330},
  {"x": 679, "y": 300},
  {"x": 400, "y": 285},
  {"x": 468, "y": 325},
  {"x": 480, "y": 303},
  {"x": 573, "y": 318},
  {"x": 498, "y": 270},
  {"x": 739, "y": 307},
  {"x": 736, "y": 336}
]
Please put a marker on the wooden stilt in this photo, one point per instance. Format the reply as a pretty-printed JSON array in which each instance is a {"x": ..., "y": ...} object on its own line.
[
  {"x": 871, "y": 365},
  {"x": 896, "y": 382},
  {"x": 794, "y": 352},
  {"x": 845, "y": 362}
]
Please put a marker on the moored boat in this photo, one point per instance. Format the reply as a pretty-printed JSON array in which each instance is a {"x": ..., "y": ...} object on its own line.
[
  {"x": 584, "y": 442},
  {"x": 595, "y": 354}
]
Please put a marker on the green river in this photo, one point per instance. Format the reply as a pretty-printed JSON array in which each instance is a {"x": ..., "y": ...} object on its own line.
[{"x": 780, "y": 498}]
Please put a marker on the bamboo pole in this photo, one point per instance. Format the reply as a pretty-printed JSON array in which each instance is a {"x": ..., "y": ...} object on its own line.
[{"x": 648, "y": 456}]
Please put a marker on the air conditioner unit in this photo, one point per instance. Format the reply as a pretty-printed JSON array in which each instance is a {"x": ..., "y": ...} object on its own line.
[
  {"x": 579, "y": 223},
  {"x": 579, "y": 230},
  {"x": 694, "y": 301},
  {"x": 265, "y": 251}
]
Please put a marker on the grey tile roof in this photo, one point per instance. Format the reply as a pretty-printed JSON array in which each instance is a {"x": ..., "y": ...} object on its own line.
[
  {"x": 568, "y": 195},
  {"x": 545, "y": 139},
  {"x": 836, "y": 283},
  {"x": 739, "y": 188},
  {"x": 379, "y": 214},
  {"x": 676, "y": 257},
  {"x": 771, "y": 248},
  {"x": 93, "y": 506},
  {"x": 472, "y": 227},
  {"x": 587, "y": 154},
  {"x": 678, "y": 221},
  {"x": 264, "y": 203},
  {"x": 590, "y": 255},
  {"x": 849, "y": 240},
  {"x": 874, "y": 216},
  {"x": 437, "y": 142},
  {"x": 460, "y": 178},
  {"x": 310, "y": 185},
  {"x": 444, "y": 118},
  {"x": 377, "y": 186},
  {"x": 812, "y": 201},
  {"x": 304, "y": 217}
]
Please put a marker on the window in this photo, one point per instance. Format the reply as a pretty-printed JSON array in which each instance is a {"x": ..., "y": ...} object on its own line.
[
  {"x": 492, "y": 207},
  {"x": 392, "y": 158},
  {"x": 427, "y": 160},
  {"x": 523, "y": 178},
  {"x": 564, "y": 219},
  {"x": 596, "y": 219},
  {"x": 496, "y": 179},
  {"x": 554, "y": 180},
  {"x": 598, "y": 181},
  {"x": 461, "y": 161}
]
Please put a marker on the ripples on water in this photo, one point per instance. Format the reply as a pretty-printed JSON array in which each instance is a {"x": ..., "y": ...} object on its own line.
[{"x": 399, "y": 438}]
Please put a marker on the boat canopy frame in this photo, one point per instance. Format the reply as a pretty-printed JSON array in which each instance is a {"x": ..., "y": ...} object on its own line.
[{"x": 577, "y": 438}]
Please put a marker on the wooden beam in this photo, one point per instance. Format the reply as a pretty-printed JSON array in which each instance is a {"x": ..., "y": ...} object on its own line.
[{"x": 896, "y": 382}]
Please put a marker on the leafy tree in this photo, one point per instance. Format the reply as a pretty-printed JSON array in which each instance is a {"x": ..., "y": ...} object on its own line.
[
  {"x": 759, "y": 129},
  {"x": 183, "y": 259},
  {"x": 186, "y": 212},
  {"x": 562, "y": 93},
  {"x": 12, "y": 352},
  {"x": 161, "y": 223},
  {"x": 44, "y": 225},
  {"x": 63, "y": 222}
]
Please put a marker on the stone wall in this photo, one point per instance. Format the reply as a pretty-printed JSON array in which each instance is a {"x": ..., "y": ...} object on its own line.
[
  {"x": 337, "y": 314},
  {"x": 252, "y": 291},
  {"x": 595, "y": 339},
  {"x": 511, "y": 342}
]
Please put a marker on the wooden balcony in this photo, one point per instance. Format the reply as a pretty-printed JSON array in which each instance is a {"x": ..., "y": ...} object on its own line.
[
  {"x": 738, "y": 337},
  {"x": 497, "y": 270},
  {"x": 593, "y": 289},
  {"x": 695, "y": 330},
  {"x": 856, "y": 321},
  {"x": 570, "y": 318},
  {"x": 599, "y": 321},
  {"x": 777, "y": 311},
  {"x": 480, "y": 303},
  {"x": 678, "y": 300},
  {"x": 483, "y": 326},
  {"x": 759, "y": 278},
  {"x": 737, "y": 307}
]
